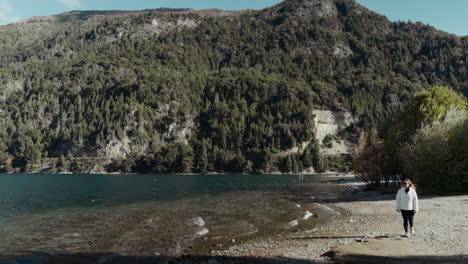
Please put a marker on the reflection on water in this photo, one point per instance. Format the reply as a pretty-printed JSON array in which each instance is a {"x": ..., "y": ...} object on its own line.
[{"x": 149, "y": 214}]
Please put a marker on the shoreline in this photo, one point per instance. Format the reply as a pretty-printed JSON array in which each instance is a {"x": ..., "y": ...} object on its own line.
[
  {"x": 137, "y": 229},
  {"x": 364, "y": 229},
  {"x": 368, "y": 230},
  {"x": 326, "y": 173},
  {"x": 143, "y": 228}
]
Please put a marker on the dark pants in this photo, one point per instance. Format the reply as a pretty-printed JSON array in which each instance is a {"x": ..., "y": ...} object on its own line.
[{"x": 408, "y": 216}]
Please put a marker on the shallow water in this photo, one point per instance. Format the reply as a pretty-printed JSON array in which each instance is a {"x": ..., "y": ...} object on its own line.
[{"x": 147, "y": 215}]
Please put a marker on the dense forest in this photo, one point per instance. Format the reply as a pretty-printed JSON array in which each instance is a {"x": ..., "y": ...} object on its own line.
[
  {"x": 426, "y": 141},
  {"x": 170, "y": 91}
]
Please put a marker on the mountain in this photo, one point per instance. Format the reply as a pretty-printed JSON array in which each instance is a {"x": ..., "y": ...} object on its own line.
[{"x": 186, "y": 90}]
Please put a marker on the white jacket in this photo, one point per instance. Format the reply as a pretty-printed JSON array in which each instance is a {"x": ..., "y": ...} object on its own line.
[{"x": 407, "y": 201}]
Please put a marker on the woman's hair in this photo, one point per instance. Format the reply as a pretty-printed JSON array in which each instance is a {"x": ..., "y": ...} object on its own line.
[{"x": 409, "y": 183}]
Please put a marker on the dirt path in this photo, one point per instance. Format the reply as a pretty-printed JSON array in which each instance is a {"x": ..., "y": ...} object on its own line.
[{"x": 369, "y": 230}]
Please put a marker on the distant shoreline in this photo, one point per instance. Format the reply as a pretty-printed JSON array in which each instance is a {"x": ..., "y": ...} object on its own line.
[{"x": 329, "y": 173}]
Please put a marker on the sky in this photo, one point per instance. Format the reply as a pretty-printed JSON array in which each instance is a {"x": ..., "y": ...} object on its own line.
[{"x": 447, "y": 15}]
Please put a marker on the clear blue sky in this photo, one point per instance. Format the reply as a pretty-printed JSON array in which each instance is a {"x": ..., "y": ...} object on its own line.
[{"x": 447, "y": 15}]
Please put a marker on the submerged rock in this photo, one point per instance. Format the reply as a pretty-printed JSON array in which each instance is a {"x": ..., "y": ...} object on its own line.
[
  {"x": 234, "y": 228},
  {"x": 293, "y": 223},
  {"x": 307, "y": 215},
  {"x": 196, "y": 221},
  {"x": 202, "y": 232}
]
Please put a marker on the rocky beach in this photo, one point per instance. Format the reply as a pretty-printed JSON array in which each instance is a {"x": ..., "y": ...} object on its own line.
[
  {"x": 367, "y": 229},
  {"x": 353, "y": 226}
]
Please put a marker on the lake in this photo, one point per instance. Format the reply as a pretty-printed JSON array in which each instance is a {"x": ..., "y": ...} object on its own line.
[{"x": 147, "y": 215}]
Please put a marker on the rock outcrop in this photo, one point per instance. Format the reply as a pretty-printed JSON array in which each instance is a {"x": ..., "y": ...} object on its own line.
[{"x": 335, "y": 126}]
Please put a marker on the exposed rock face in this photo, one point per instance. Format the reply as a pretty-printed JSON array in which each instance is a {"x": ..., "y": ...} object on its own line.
[
  {"x": 180, "y": 131},
  {"x": 154, "y": 27},
  {"x": 333, "y": 123},
  {"x": 338, "y": 118},
  {"x": 158, "y": 26},
  {"x": 9, "y": 87},
  {"x": 116, "y": 148},
  {"x": 341, "y": 50},
  {"x": 320, "y": 8},
  {"x": 298, "y": 149}
]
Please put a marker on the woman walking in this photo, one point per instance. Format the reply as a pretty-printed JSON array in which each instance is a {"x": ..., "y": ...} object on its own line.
[{"x": 407, "y": 203}]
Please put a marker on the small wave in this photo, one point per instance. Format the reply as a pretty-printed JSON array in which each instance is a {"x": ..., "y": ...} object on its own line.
[
  {"x": 326, "y": 208},
  {"x": 307, "y": 215}
]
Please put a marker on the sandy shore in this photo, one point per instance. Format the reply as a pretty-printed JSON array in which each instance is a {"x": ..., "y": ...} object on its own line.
[{"x": 367, "y": 229}]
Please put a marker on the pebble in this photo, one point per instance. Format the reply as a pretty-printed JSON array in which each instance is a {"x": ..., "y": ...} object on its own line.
[{"x": 434, "y": 235}]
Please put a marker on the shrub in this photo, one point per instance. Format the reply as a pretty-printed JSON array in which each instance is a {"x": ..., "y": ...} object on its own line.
[{"x": 436, "y": 158}]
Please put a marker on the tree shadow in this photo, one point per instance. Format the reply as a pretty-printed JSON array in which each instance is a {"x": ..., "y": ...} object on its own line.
[
  {"x": 367, "y": 259},
  {"x": 111, "y": 258}
]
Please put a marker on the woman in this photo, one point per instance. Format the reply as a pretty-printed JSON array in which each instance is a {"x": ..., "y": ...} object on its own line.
[{"x": 407, "y": 204}]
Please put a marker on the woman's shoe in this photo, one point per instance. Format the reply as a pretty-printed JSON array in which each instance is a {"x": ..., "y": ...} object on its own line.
[{"x": 412, "y": 231}]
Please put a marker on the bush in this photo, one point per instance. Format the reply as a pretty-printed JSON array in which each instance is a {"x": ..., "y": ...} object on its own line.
[{"x": 436, "y": 158}]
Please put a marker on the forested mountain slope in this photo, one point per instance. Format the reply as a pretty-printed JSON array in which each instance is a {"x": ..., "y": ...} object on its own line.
[{"x": 185, "y": 90}]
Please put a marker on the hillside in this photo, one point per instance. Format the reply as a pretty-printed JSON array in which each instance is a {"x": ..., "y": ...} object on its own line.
[{"x": 194, "y": 91}]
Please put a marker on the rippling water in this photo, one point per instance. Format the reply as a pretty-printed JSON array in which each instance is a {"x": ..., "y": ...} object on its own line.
[{"x": 151, "y": 214}]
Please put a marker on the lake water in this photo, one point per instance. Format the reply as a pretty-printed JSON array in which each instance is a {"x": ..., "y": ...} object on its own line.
[{"x": 147, "y": 215}]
